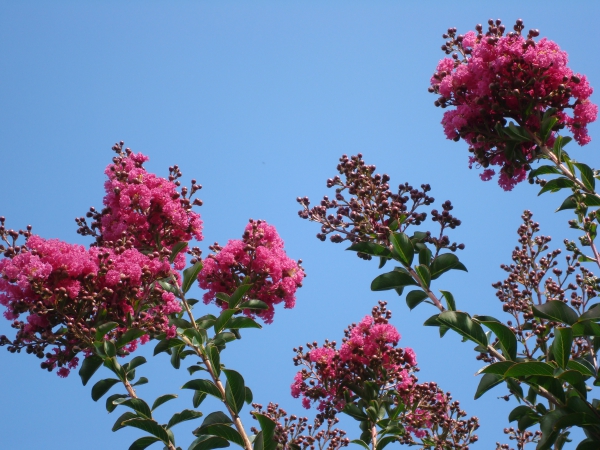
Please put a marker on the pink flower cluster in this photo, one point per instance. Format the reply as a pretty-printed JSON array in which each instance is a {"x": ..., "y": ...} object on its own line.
[
  {"x": 149, "y": 208},
  {"x": 76, "y": 290},
  {"x": 369, "y": 356},
  {"x": 368, "y": 353},
  {"x": 260, "y": 257},
  {"x": 494, "y": 79}
]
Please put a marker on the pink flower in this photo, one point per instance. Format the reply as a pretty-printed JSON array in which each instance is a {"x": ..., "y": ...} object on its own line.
[
  {"x": 260, "y": 257},
  {"x": 508, "y": 78}
]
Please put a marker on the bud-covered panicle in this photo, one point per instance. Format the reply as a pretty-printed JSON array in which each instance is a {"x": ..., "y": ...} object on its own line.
[{"x": 493, "y": 80}]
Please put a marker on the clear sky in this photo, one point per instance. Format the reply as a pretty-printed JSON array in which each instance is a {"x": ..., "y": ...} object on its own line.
[{"x": 256, "y": 100}]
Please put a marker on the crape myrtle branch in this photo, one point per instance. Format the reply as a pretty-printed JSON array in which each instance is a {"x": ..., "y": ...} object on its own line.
[{"x": 366, "y": 210}]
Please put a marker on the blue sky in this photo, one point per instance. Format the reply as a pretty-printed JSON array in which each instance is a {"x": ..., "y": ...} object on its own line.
[{"x": 257, "y": 101}]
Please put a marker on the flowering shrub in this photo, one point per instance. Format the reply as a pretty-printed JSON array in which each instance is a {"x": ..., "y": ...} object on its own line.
[
  {"x": 495, "y": 79},
  {"x": 510, "y": 95}
]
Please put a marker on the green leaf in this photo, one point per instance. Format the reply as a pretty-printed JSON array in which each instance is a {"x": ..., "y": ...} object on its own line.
[
  {"x": 414, "y": 298},
  {"x": 361, "y": 443},
  {"x": 403, "y": 248},
  {"x": 354, "y": 411},
  {"x": 166, "y": 344},
  {"x": 89, "y": 367},
  {"x": 167, "y": 286},
  {"x": 137, "y": 404},
  {"x": 561, "y": 346},
  {"x": 559, "y": 144},
  {"x": 546, "y": 127},
  {"x": 143, "y": 443},
  {"x": 149, "y": 426},
  {"x": 443, "y": 263},
  {"x": 237, "y": 296},
  {"x": 385, "y": 441},
  {"x": 213, "y": 418},
  {"x": 392, "y": 280},
  {"x": 487, "y": 382},
  {"x": 222, "y": 320},
  {"x": 206, "y": 442},
  {"x": 189, "y": 276},
  {"x": 508, "y": 340},
  {"x": 587, "y": 176},
  {"x": 267, "y": 427},
  {"x": 215, "y": 358},
  {"x": 102, "y": 387},
  {"x": 110, "y": 405},
  {"x": 432, "y": 321},
  {"x": 370, "y": 248},
  {"x": 463, "y": 325},
  {"x": 498, "y": 368},
  {"x": 585, "y": 370},
  {"x": 557, "y": 311},
  {"x": 543, "y": 170},
  {"x": 177, "y": 248},
  {"x": 529, "y": 368},
  {"x": 556, "y": 185},
  {"x": 235, "y": 392},
  {"x": 588, "y": 444},
  {"x": 586, "y": 328},
  {"x": 129, "y": 336},
  {"x": 516, "y": 133},
  {"x": 104, "y": 329},
  {"x": 136, "y": 362},
  {"x": 223, "y": 431},
  {"x": 142, "y": 380},
  {"x": 162, "y": 399},
  {"x": 519, "y": 412},
  {"x": 119, "y": 423},
  {"x": 203, "y": 386},
  {"x": 198, "y": 398},
  {"x": 575, "y": 379},
  {"x": 248, "y": 395},
  {"x": 183, "y": 416},
  {"x": 424, "y": 275},
  {"x": 242, "y": 322},
  {"x": 591, "y": 200},
  {"x": 449, "y": 300},
  {"x": 254, "y": 304},
  {"x": 569, "y": 203}
]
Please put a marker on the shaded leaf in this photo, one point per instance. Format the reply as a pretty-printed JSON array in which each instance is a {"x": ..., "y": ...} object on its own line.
[
  {"x": 403, "y": 248},
  {"x": 498, "y": 368},
  {"x": 89, "y": 367},
  {"x": 129, "y": 336},
  {"x": 508, "y": 340},
  {"x": 463, "y": 325},
  {"x": 414, "y": 298},
  {"x": 557, "y": 311},
  {"x": 143, "y": 443},
  {"x": 102, "y": 387},
  {"x": 254, "y": 304},
  {"x": 443, "y": 263},
  {"x": 206, "y": 442},
  {"x": 529, "y": 368},
  {"x": 392, "y": 280},
  {"x": 162, "y": 399},
  {"x": 183, "y": 416},
  {"x": 203, "y": 386},
  {"x": 189, "y": 276},
  {"x": 267, "y": 427},
  {"x": 424, "y": 275},
  {"x": 561, "y": 346},
  {"x": 105, "y": 328},
  {"x": 235, "y": 392},
  {"x": 449, "y": 300},
  {"x": 556, "y": 185},
  {"x": 110, "y": 405},
  {"x": 370, "y": 248},
  {"x": 487, "y": 382},
  {"x": 119, "y": 423},
  {"x": 587, "y": 176},
  {"x": 149, "y": 426}
]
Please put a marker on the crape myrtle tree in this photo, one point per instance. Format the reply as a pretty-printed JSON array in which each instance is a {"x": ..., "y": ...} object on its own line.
[{"x": 509, "y": 97}]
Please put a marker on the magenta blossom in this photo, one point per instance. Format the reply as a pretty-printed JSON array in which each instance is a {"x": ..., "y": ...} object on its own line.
[
  {"x": 494, "y": 79},
  {"x": 260, "y": 257}
]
